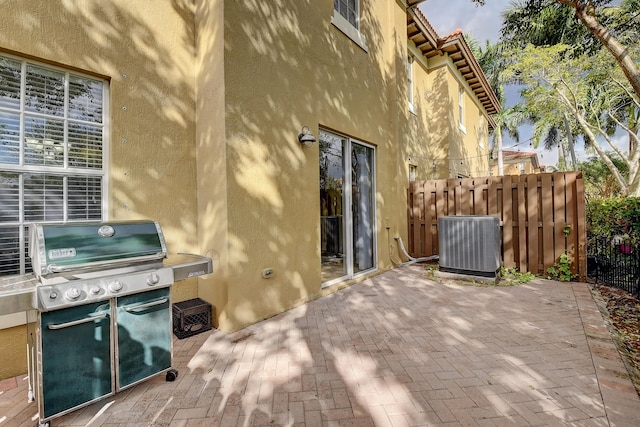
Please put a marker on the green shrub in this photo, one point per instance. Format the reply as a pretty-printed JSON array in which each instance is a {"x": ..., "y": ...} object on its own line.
[
  {"x": 617, "y": 216},
  {"x": 561, "y": 269},
  {"x": 511, "y": 277}
]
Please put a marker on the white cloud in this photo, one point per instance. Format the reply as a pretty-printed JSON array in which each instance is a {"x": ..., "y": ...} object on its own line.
[{"x": 483, "y": 22}]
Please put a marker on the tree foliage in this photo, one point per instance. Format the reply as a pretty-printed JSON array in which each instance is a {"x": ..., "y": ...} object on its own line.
[
  {"x": 588, "y": 88},
  {"x": 614, "y": 216},
  {"x": 614, "y": 32},
  {"x": 599, "y": 183}
]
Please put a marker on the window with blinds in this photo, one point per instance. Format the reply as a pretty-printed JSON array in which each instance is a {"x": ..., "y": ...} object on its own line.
[{"x": 52, "y": 131}]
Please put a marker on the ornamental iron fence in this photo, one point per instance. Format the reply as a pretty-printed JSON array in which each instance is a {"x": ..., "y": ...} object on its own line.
[{"x": 614, "y": 262}]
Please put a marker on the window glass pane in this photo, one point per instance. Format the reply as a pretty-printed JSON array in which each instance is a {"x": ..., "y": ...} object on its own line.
[
  {"x": 9, "y": 83},
  {"x": 85, "y": 146},
  {"x": 44, "y": 142},
  {"x": 85, "y": 197},
  {"x": 9, "y": 250},
  {"x": 362, "y": 207},
  {"x": 43, "y": 197},
  {"x": 9, "y": 138},
  {"x": 44, "y": 92},
  {"x": 59, "y": 123},
  {"x": 348, "y": 9},
  {"x": 9, "y": 197},
  {"x": 332, "y": 219},
  {"x": 352, "y": 18},
  {"x": 85, "y": 99},
  {"x": 343, "y": 8}
]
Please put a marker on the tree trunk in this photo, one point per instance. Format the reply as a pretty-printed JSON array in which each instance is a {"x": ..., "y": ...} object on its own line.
[
  {"x": 633, "y": 128},
  {"x": 586, "y": 14},
  {"x": 570, "y": 143},
  {"x": 562, "y": 162},
  {"x": 500, "y": 157}
]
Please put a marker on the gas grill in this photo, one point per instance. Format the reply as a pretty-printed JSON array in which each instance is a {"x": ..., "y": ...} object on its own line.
[{"x": 102, "y": 296}]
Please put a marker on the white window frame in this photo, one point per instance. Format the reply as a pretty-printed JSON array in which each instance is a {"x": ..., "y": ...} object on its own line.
[
  {"x": 461, "y": 109},
  {"x": 410, "y": 83},
  {"x": 347, "y": 28},
  {"x": 413, "y": 172},
  {"x": 22, "y": 168}
]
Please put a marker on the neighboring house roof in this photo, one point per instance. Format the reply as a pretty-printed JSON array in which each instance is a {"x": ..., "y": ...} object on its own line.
[
  {"x": 519, "y": 156},
  {"x": 420, "y": 31}
]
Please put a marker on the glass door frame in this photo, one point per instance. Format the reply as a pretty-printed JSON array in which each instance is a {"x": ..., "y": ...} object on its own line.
[{"x": 348, "y": 210}]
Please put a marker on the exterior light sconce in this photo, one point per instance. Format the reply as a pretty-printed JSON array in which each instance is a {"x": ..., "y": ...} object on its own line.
[{"x": 305, "y": 137}]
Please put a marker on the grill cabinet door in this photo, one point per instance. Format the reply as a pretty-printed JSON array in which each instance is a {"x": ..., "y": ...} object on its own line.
[
  {"x": 75, "y": 357},
  {"x": 144, "y": 335}
]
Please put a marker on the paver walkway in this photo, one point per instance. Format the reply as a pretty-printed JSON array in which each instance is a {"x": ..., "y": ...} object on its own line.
[{"x": 395, "y": 350}]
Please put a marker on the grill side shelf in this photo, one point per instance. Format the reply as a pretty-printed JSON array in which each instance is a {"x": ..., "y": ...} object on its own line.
[
  {"x": 186, "y": 266},
  {"x": 17, "y": 294}
]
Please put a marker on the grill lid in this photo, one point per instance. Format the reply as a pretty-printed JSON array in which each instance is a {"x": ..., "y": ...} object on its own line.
[{"x": 59, "y": 248}]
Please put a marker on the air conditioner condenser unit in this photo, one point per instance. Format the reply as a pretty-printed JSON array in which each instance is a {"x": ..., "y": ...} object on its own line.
[{"x": 469, "y": 244}]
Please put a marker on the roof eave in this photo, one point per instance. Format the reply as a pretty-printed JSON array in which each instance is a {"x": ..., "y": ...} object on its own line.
[{"x": 420, "y": 31}]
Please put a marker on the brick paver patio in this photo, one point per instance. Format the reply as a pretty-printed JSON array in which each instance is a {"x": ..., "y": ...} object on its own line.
[{"x": 395, "y": 350}]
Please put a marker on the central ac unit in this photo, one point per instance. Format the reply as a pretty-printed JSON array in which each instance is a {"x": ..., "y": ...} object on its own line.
[{"x": 469, "y": 244}]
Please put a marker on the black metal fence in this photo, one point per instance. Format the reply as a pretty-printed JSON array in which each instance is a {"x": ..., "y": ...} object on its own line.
[{"x": 614, "y": 262}]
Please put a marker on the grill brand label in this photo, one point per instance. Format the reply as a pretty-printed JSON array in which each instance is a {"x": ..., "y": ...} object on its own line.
[{"x": 62, "y": 253}]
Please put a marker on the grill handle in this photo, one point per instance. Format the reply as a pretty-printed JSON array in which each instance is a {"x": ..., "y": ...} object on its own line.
[
  {"x": 53, "y": 268},
  {"x": 129, "y": 309},
  {"x": 77, "y": 322}
]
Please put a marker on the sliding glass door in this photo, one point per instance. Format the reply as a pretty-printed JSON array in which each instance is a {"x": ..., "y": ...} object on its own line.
[{"x": 347, "y": 207}]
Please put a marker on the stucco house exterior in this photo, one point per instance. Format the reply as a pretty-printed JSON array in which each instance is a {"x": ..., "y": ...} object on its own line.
[{"x": 189, "y": 113}]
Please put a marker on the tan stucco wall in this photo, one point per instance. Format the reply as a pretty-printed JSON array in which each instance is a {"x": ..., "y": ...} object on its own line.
[
  {"x": 13, "y": 350},
  {"x": 147, "y": 54},
  {"x": 211, "y": 154},
  {"x": 436, "y": 145},
  {"x": 466, "y": 156},
  {"x": 286, "y": 66}
]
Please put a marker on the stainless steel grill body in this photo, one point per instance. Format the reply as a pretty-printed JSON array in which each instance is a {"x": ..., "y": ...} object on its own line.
[{"x": 103, "y": 302}]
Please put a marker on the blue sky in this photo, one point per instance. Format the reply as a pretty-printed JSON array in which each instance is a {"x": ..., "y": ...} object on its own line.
[{"x": 483, "y": 22}]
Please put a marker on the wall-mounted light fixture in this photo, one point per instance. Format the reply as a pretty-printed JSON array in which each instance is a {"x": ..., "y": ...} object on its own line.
[{"x": 305, "y": 137}]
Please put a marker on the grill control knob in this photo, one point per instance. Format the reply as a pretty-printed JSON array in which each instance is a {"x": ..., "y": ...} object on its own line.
[
  {"x": 73, "y": 293},
  {"x": 95, "y": 290},
  {"x": 115, "y": 286},
  {"x": 153, "y": 279}
]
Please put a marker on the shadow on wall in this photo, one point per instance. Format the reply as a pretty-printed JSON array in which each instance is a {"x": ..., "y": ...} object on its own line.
[
  {"x": 439, "y": 149},
  {"x": 151, "y": 100},
  {"x": 315, "y": 73}
]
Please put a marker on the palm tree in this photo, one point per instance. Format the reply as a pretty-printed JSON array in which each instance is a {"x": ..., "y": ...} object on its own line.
[
  {"x": 493, "y": 62},
  {"x": 507, "y": 120}
]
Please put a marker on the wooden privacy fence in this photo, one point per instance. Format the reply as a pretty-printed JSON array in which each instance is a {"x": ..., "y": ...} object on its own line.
[{"x": 541, "y": 216}]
